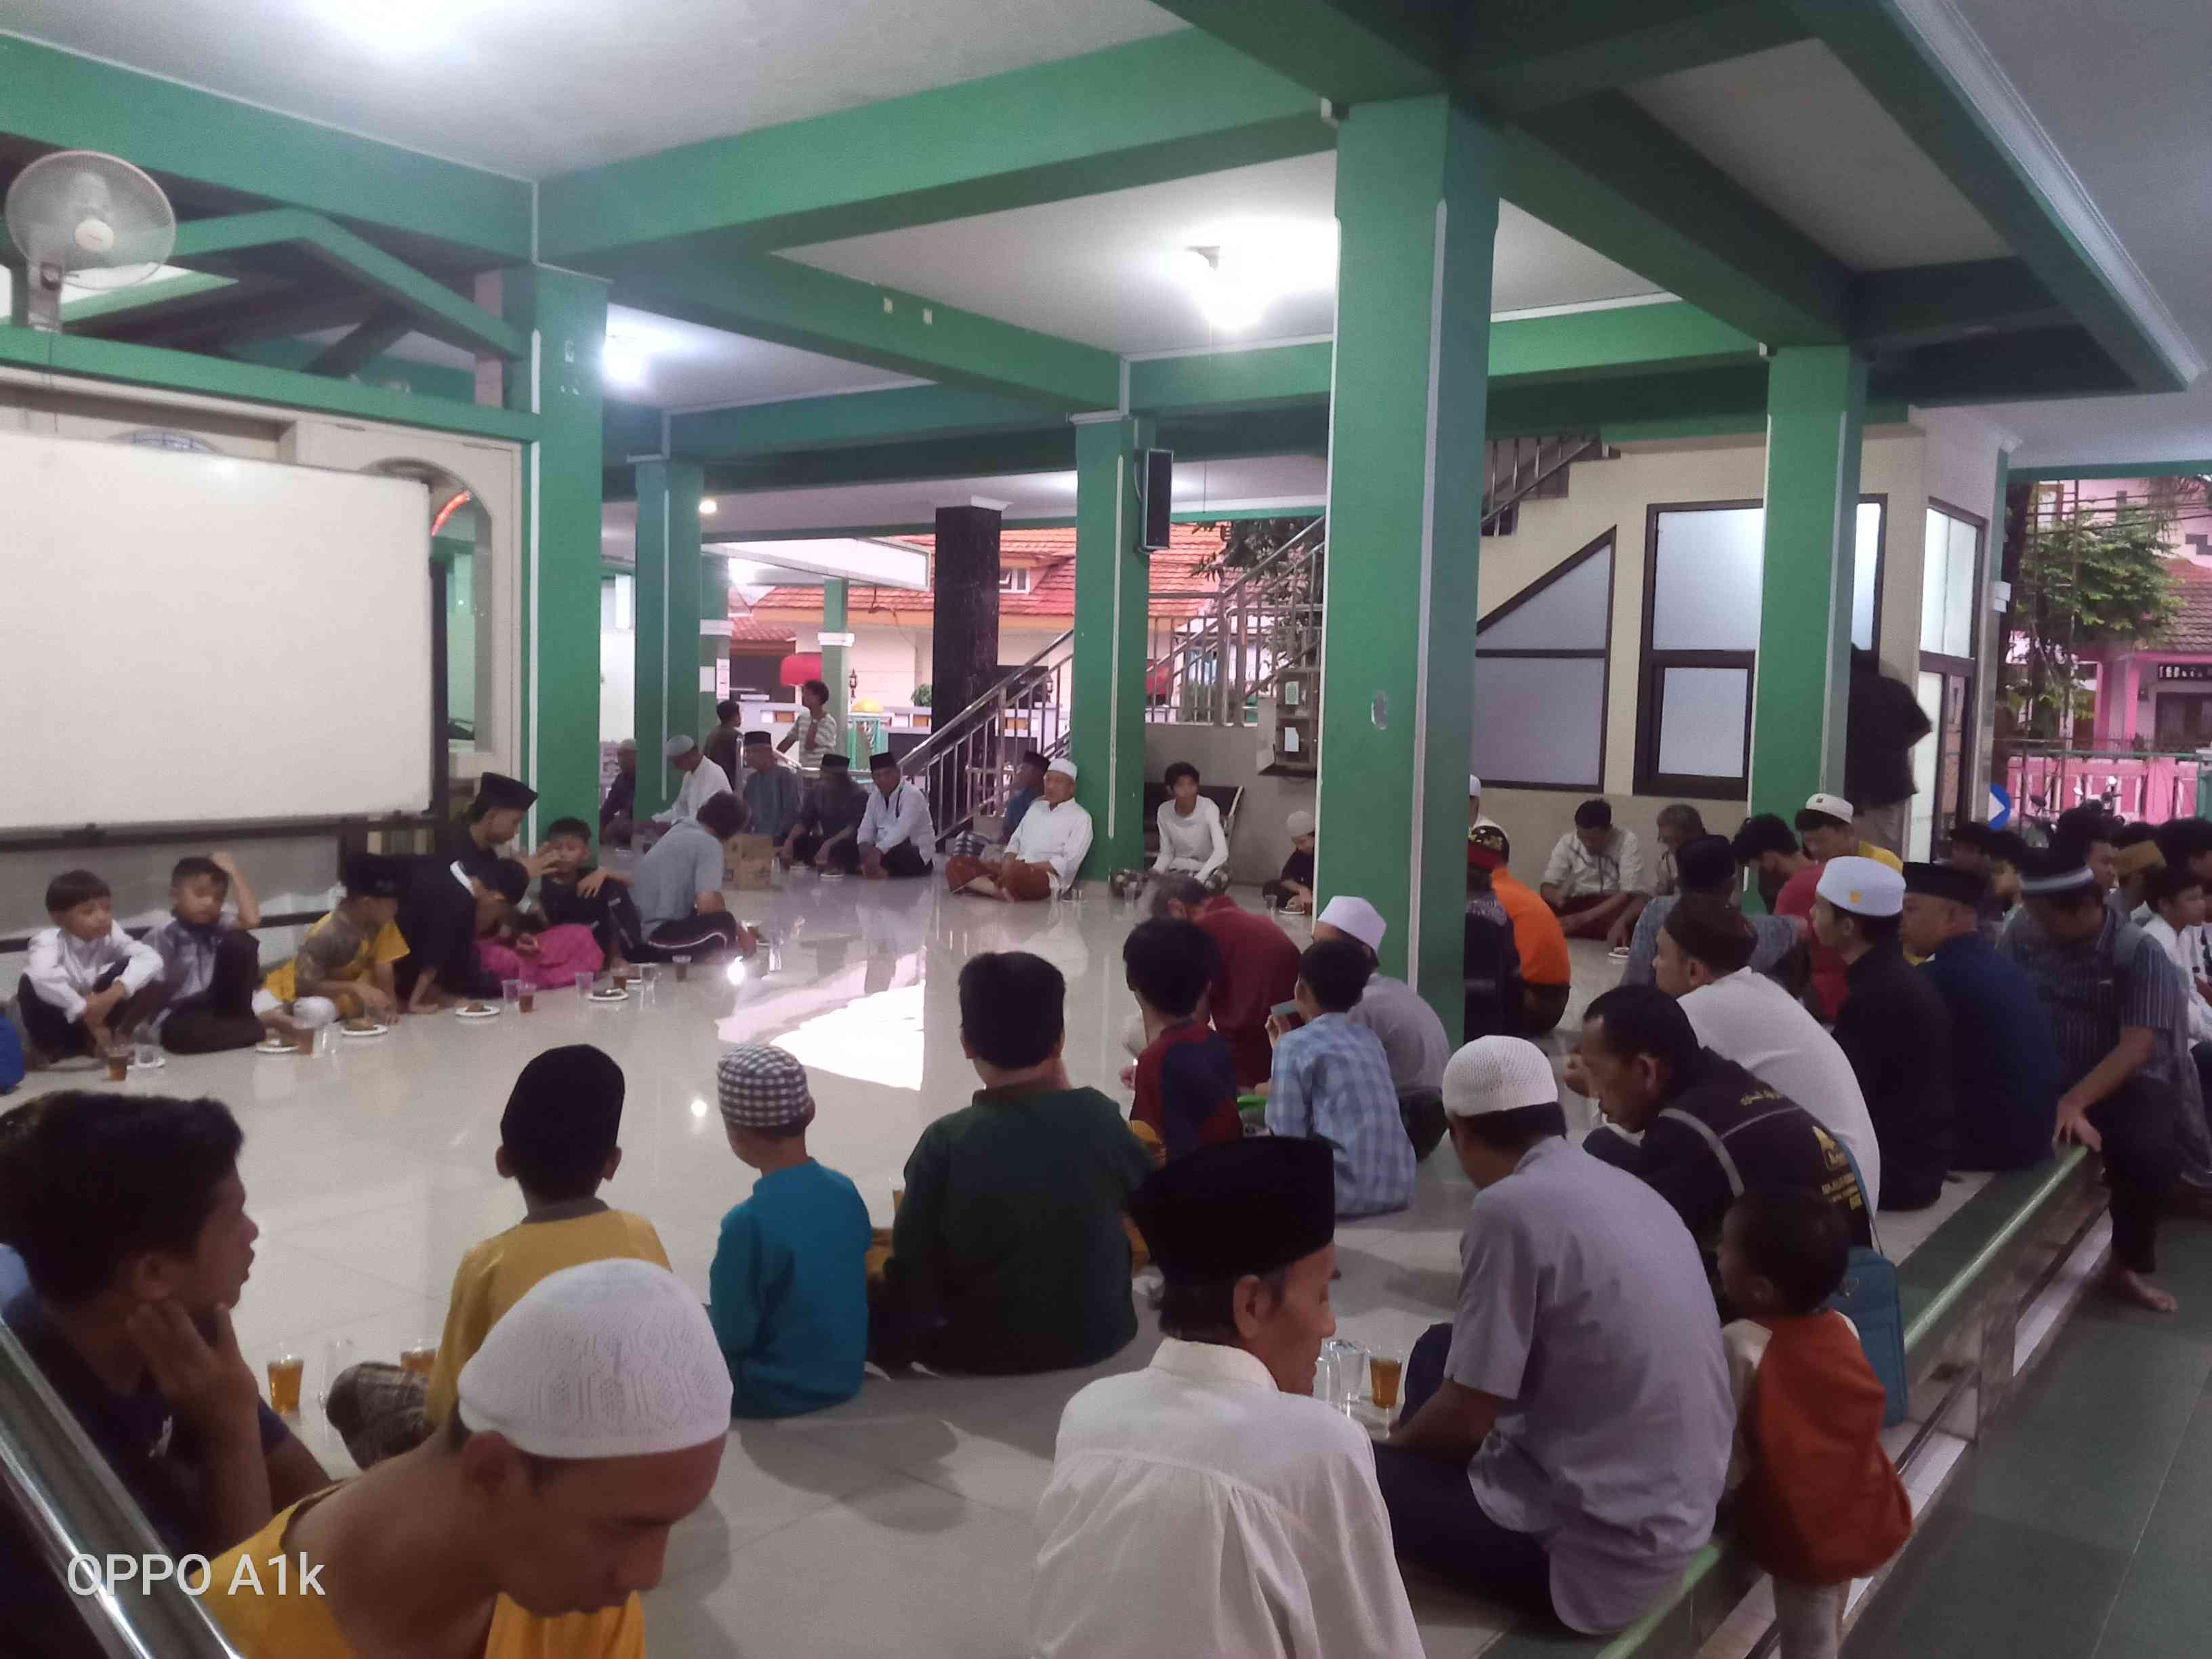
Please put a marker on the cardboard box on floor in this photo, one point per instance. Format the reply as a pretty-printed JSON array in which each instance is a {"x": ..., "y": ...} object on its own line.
[{"x": 746, "y": 867}]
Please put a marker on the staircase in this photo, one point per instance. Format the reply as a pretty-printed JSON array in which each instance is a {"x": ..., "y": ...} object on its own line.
[
  {"x": 966, "y": 764},
  {"x": 1517, "y": 470}
]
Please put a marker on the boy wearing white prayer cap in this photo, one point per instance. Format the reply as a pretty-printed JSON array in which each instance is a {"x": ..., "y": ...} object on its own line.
[
  {"x": 1044, "y": 855},
  {"x": 1412, "y": 1035},
  {"x": 589, "y": 1423},
  {"x": 1293, "y": 888},
  {"x": 1894, "y": 1027}
]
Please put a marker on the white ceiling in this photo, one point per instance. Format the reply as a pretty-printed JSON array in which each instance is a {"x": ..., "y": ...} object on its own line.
[
  {"x": 1111, "y": 270},
  {"x": 536, "y": 88},
  {"x": 2124, "y": 98},
  {"x": 1795, "y": 129},
  {"x": 1286, "y": 481}
]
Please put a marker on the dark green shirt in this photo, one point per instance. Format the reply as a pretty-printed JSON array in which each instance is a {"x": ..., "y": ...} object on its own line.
[{"x": 1009, "y": 1254}]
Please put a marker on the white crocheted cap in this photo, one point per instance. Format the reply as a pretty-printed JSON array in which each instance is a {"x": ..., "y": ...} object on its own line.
[{"x": 609, "y": 1359}]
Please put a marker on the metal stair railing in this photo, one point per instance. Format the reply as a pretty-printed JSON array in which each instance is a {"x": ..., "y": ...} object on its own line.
[
  {"x": 1266, "y": 621},
  {"x": 1516, "y": 468},
  {"x": 966, "y": 765}
]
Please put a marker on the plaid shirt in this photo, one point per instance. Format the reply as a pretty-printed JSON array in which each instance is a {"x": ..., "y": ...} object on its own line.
[
  {"x": 1578, "y": 872},
  {"x": 2092, "y": 991},
  {"x": 1332, "y": 1082}
]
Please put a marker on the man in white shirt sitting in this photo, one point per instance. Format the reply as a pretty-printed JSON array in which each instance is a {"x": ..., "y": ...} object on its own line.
[
  {"x": 703, "y": 780},
  {"x": 1594, "y": 877},
  {"x": 895, "y": 836},
  {"x": 1208, "y": 1504},
  {"x": 1192, "y": 840},
  {"x": 1045, "y": 854}
]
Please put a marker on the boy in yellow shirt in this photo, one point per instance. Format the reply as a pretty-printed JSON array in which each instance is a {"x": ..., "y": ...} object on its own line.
[
  {"x": 344, "y": 966},
  {"x": 528, "y": 1527},
  {"x": 557, "y": 1142}
]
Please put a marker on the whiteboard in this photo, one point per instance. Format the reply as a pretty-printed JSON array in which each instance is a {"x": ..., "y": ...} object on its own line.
[{"x": 188, "y": 638}]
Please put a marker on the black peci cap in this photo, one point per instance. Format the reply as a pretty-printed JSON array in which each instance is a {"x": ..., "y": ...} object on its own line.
[
  {"x": 1248, "y": 1206},
  {"x": 497, "y": 791},
  {"x": 1946, "y": 881},
  {"x": 371, "y": 875}
]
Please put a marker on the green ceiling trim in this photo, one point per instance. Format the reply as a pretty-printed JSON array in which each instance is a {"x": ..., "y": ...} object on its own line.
[
  {"x": 1166, "y": 108},
  {"x": 436, "y": 309},
  {"x": 2034, "y": 364},
  {"x": 362, "y": 343},
  {"x": 1515, "y": 59},
  {"x": 53, "y": 97},
  {"x": 1613, "y": 339},
  {"x": 143, "y": 296},
  {"x": 1892, "y": 61},
  {"x": 223, "y": 377},
  {"x": 1354, "y": 51},
  {"x": 1926, "y": 304},
  {"x": 790, "y": 304},
  {"x": 629, "y": 429},
  {"x": 892, "y": 416},
  {"x": 2067, "y": 473},
  {"x": 1615, "y": 180}
]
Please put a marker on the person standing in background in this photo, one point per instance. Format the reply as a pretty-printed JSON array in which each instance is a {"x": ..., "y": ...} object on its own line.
[
  {"x": 815, "y": 733},
  {"x": 722, "y": 743},
  {"x": 1885, "y": 721}
]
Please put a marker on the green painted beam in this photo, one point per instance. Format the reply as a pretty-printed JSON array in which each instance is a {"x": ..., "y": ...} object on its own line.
[
  {"x": 896, "y": 415},
  {"x": 436, "y": 310},
  {"x": 790, "y": 304},
  {"x": 1352, "y": 51},
  {"x": 1615, "y": 179},
  {"x": 1312, "y": 509},
  {"x": 51, "y": 97},
  {"x": 2063, "y": 473},
  {"x": 221, "y": 377},
  {"x": 1253, "y": 378},
  {"x": 1519, "y": 58},
  {"x": 1164, "y": 108},
  {"x": 1640, "y": 339},
  {"x": 192, "y": 285},
  {"x": 628, "y": 430},
  {"x": 2036, "y": 364},
  {"x": 364, "y": 343},
  {"x": 422, "y": 380},
  {"x": 1891, "y": 58},
  {"x": 1924, "y": 305}
]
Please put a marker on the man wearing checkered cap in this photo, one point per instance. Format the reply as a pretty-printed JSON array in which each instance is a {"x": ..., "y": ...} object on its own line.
[{"x": 788, "y": 1289}]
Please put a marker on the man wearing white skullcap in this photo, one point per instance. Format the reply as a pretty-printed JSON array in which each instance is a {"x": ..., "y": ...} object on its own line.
[
  {"x": 1564, "y": 1438},
  {"x": 1412, "y": 1035},
  {"x": 703, "y": 779},
  {"x": 1293, "y": 889},
  {"x": 1475, "y": 820},
  {"x": 1895, "y": 1028},
  {"x": 589, "y": 1423},
  {"x": 1045, "y": 853}
]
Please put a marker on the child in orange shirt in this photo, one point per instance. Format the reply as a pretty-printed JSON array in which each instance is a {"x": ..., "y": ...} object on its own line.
[{"x": 1818, "y": 1503}]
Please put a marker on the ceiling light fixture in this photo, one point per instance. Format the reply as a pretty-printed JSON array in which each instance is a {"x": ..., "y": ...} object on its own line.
[
  {"x": 623, "y": 361},
  {"x": 706, "y": 506},
  {"x": 1235, "y": 281}
]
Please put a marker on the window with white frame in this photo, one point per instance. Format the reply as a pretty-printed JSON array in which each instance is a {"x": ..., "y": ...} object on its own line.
[
  {"x": 1540, "y": 678},
  {"x": 1014, "y": 579},
  {"x": 1704, "y": 564}
]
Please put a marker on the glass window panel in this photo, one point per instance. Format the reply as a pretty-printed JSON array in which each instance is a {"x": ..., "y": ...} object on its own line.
[
  {"x": 1539, "y": 719},
  {"x": 461, "y": 649},
  {"x": 1866, "y": 572},
  {"x": 1571, "y": 615},
  {"x": 1706, "y": 586},
  {"x": 1920, "y": 833},
  {"x": 1935, "y": 579},
  {"x": 1702, "y": 717},
  {"x": 1958, "y": 598}
]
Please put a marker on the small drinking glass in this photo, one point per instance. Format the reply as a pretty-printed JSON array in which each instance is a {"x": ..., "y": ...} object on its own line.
[
  {"x": 339, "y": 1355},
  {"x": 648, "y": 985},
  {"x": 1274, "y": 901},
  {"x": 1384, "y": 1372},
  {"x": 145, "y": 1055},
  {"x": 683, "y": 969},
  {"x": 510, "y": 991},
  {"x": 326, "y": 1041},
  {"x": 285, "y": 1372},
  {"x": 420, "y": 1357},
  {"x": 119, "y": 1061}
]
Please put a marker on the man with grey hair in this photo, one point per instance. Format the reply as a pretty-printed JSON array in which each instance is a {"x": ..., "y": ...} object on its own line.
[
  {"x": 703, "y": 780},
  {"x": 591, "y": 1421}
]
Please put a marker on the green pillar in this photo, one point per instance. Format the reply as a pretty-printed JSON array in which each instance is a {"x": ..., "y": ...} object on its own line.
[
  {"x": 670, "y": 589},
  {"x": 835, "y": 592},
  {"x": 713, "y": 633},
  {"x": 1417, "y": 208},
  {"x": 1113, "y": 596},
  {"x": 1815, "y": 404},
  {"x": 567, "y": 313}
]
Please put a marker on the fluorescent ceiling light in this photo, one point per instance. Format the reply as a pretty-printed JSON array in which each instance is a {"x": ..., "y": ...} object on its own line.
[
  {"x": 1235, "y": 281},
  {"x": 624, "y": 362},
  {"x": 706, "y": 506}
]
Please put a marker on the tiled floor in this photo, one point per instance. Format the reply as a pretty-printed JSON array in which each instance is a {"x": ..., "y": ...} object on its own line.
[
  {"x": 2076, "y": 1528},
  {"x": 902, "y": 1521}
]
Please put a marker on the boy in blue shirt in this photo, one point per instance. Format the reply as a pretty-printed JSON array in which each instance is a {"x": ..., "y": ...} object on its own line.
[{"x": 788, "y": 1289}]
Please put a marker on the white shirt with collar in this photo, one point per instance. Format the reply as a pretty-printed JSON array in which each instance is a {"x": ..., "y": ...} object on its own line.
[
  {"x": 701, "y": 785},
  {"x": 1195, "y": 845},
  {"x": 1749, "y": 1018},
  {"x": 1236, "y": 1520},
  {"x": 1058, "y": 835},
  {"x": 903, "y": 816},
  {"x": 1578, "y": 872},
  {"x": 2183, "y": 949},
  {"x": 64, "y": 968}
]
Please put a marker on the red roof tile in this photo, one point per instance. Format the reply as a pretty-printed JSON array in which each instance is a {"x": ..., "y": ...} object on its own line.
[
  {"x": 1050, "y": 556},
  {"x": 2191, "y": 627}
]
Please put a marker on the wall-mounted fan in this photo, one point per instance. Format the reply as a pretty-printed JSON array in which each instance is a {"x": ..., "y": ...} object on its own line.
[{"x": 83, "y": 219}]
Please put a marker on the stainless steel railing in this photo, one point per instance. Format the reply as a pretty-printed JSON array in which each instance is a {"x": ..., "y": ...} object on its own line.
[
  {"x": 73, "y": 1507},
  {"x": 966, "y": 765},
  {"x": 1206, "y": 669}
]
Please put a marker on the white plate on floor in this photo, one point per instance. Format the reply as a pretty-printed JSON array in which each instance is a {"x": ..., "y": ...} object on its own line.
[
  {"x": 153, "y": 1065},
  {"x": 490, "y": 1011},
  {"x": 606, "y": 996},
  {"x": 272, "y": 1045},
  {"x": 1619, "y": 954},
  {"x": 373, "y": 1031}
]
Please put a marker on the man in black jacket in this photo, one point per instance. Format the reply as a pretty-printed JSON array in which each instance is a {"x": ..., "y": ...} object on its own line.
[
  {"x": 1884, "y": 719},
  {"x": 443, "y": 911},
  {"x": 1711, "y": 1131},
  {"x": 1895, "y": 1029}
]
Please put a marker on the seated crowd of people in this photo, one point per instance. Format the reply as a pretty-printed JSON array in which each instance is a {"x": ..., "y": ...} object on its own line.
[{"x": 1565, "y": 1439}]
